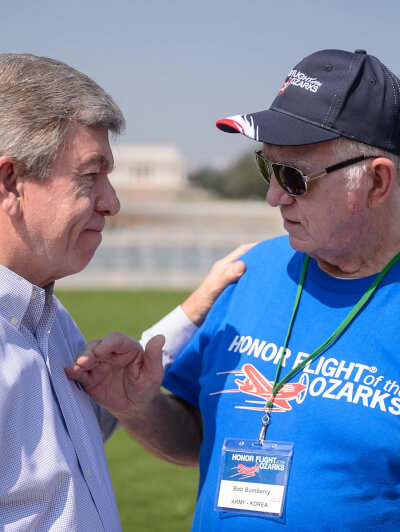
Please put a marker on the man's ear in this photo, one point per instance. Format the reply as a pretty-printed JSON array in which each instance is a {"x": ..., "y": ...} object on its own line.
[
  {"x": 383, "y": 175},
  {"x": 10, "y": 188}
]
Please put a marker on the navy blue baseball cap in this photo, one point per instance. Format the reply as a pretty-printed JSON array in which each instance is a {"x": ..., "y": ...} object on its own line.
[{"x": 329, "y": 94}]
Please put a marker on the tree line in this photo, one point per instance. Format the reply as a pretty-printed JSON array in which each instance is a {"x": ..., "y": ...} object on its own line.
[{"x": 240, "y": 180}]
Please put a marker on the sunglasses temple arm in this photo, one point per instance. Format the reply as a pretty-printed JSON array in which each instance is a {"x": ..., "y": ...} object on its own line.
[{"x": 316, "y": 175}]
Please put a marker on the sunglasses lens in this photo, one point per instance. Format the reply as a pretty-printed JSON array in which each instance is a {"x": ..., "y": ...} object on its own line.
[
  {"x": 288, "y": 178},
  {"x": 291, "y": 180},
  {"x": 264, "y": 167}
]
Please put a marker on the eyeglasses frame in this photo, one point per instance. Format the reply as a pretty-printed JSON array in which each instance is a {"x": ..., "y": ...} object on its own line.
[{"x": 313, "y": 175}]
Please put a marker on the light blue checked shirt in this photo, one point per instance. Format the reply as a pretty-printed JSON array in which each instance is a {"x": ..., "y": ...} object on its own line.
[{"x": 53, "y": 471}]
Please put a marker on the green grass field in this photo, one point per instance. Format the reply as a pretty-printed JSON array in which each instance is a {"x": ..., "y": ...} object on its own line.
[{"x": 152, "y": 496}]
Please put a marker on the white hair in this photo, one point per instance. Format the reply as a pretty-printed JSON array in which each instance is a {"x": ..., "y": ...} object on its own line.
[{"x": 345, "y": 148}]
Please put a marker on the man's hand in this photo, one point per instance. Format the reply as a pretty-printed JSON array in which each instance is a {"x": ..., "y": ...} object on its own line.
[
  {"x": 224, "y": 272},
  {"x": 117, "y": 373}
]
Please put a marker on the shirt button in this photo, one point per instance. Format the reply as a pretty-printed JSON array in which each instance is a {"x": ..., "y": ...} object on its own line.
[
  {"x": 89, "y": 473},
  {"x": 14, "y": 320},
  {"x": 34, "y": 294}
]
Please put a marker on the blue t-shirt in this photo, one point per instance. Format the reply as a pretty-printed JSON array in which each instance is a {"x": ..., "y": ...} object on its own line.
[{"x": 341, "y": 412}]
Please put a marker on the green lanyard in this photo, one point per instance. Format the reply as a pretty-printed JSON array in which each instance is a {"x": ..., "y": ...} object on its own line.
[{"x": 345, "y": 323}]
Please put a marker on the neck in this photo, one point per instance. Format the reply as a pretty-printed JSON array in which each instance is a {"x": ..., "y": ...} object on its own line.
[
  {"x": 361, "y": 262},
  {"x": 356, "y": 268},
  {"x": 17, "y": 257},
  {"x": 367, "y": 255}
]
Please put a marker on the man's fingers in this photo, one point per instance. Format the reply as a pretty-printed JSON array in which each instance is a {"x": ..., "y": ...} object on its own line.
[
  {"x": 87, "y": 358},
  {"x": 76, "y": 373},
  {"x": 118, "y": 343},
  {"x": 224, "y": 272},
  {"x": 238, "y": 252},
  {"x": 232, "y": 272},
  {"x": 73, "y": 372},
  {"x": 228, "y": 269},
  {"x": 89, "y": 347},
  {"x": 85, "y": 361}
]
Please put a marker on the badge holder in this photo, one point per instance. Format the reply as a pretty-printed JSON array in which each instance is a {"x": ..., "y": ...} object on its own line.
[{"x": 253, "y": 476}]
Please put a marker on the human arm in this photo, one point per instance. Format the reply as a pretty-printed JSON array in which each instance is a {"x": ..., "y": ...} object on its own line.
[
  {"x": 180, "y": 325},
  {"x": 223, "y": 272},
  {"x": 125, "y": 378}
]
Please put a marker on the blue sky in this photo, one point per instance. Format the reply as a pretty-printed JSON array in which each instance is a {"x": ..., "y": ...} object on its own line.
[{"x": 176, "y": 66}]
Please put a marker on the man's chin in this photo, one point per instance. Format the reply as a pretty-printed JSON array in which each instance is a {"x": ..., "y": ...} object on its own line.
[
  {"x": 300, "y": 244},
  {"x": 80, "y": 262}
]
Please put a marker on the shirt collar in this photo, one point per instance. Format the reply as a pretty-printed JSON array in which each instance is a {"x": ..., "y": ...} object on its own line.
[{"x": 21, "y": 301}]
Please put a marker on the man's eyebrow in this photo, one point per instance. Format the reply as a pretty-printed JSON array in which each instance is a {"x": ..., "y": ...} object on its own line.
[{"x": 98, "y": 160}]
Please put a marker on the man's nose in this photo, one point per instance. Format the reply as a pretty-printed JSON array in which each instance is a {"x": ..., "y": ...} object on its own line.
[
  {"x": 107, "y": 202},
  {"x": 276, "y": 196}
]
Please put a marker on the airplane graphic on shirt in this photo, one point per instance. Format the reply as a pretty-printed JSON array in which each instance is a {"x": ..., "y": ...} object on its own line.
[{"x": 255, "y": 384}]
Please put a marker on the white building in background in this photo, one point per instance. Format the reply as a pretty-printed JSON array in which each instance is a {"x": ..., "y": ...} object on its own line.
[{"x": 148, "y": 166}]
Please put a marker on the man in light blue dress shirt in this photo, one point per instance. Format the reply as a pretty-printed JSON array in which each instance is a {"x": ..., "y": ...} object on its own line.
[{"x": 54, "y": 196}]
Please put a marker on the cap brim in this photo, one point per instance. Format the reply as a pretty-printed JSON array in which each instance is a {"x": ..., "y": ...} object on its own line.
[{"x": 275, "y": 127}]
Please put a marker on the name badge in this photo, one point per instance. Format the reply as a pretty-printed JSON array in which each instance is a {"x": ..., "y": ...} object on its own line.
[{"x": 253, "y": 477}]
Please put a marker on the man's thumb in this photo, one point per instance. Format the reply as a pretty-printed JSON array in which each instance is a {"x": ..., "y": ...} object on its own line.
[{"x": 153, "y": 353}]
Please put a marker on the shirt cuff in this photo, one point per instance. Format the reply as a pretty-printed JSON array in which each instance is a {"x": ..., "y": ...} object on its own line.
[{"x": 178, "y": 331}]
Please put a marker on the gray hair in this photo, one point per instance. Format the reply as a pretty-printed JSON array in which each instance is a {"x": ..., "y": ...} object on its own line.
[
  {"x": 345, "y": 148},
  {"x": 39, "y": 97}
]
